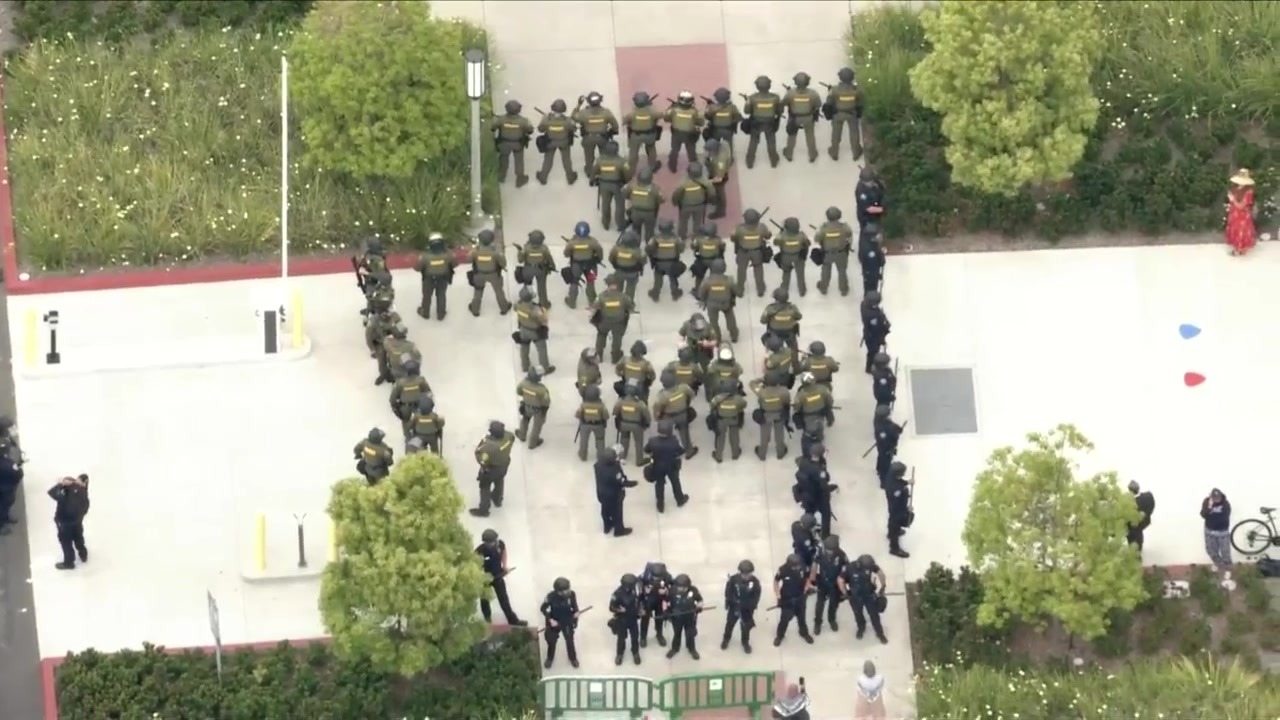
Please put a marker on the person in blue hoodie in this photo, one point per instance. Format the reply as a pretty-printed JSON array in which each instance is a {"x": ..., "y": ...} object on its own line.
[{"x": 1216, "y": 511}]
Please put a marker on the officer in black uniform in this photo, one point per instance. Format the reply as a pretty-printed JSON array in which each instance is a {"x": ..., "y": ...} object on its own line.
[
  {"x": 791, "y": 589},
  {"x": 825, "y": 576},
  {"x": 665, "y": 457},
  {"x": 897, "y": 494},
  {"x": 625, "y": 606},
  {"x": 887, "y": 432},
  {"x": 741, "y": 598},
  {"x": 686, "y": 603},
  {"x": 655, "y": 591},
  {"x": 814, "y": 486},
  {"x": 884, "y": 382},
  {"x": 870, "y": 196},
  {"x": 863, "y": 583},
  {"x": 560, "y": 608},
  {"x": 871, "y": 257},
  {"x": 875, "y": 326},
  {"x": 493, "y": 555},
  {"x": 611, "y": 488},
  {"x": 806, "y": 538}
]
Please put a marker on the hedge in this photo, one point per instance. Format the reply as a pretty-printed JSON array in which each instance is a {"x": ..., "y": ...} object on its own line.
[
  {"x": 166, "y": 150},
  {"x": 498, "y": 680},
  {"x": 1189, "y": 92}
]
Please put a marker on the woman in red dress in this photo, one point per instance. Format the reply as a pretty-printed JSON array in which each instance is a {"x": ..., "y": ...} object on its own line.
[{"x": 1241, "y": 233}]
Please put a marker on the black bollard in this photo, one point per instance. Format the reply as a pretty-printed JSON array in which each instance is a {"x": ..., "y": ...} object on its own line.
[{"x": 53, "y": 357}]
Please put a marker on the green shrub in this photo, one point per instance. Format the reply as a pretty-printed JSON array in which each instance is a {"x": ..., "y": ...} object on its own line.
[
  {"x": 1116, "y": 642},
  {"x": 1207, "y": 589},
  {"x": 1195, "y": 638},
  {"x": 1269, "y": 633},
  {"x": 945, "y": 624},
  {"x": 1239, "y": 624},
  {"x": 1153, "y": 581},
  {"x": 120, "y": 20}
]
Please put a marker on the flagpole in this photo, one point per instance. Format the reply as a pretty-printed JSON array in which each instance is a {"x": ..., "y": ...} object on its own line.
[{"x": 284, "y": 168}]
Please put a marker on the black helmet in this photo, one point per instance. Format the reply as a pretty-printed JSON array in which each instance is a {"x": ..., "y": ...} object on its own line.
[
  {"x": 608, "y": 454},
  {"x": 536, "y": 236},
  {"x": 817, "y": 450},
  {"x": 683, "y": 580},
  {"x": 435, "y": 241},
  {"x": 882, "y": 412},
  {"x": 791, "y": 225},
  {"x": 373, "y": 246},
  {"x": 561, "y": 584},
  {"x": 772, "y": 342},
  {"x": 722, "y": 95},
  {"x": 641, "y": 99},
  {"x": 629, "y": 238},
  {"x": 746, "y": 567},
  {"x": 801, "y": 79},
  {"x": 591, "y": 393},
  {"x": 496, "y": 429},
  {"x": 612, "y": 280},
  {"x": 833, "y": 214},
  {"x": 794, "y": 560},
  {"x": 525, "y": 295},
  {"x": 666, "y": 226},
  {"x": 685, "y": 354},
  {"x": 751, "y": 216},
  {"x": 867, "y": 173},
  {"x": 594, "y": 98},
  {"x": 717, "y": 267},
  {"x": 628, "y": 580},
  {"x": 872, "y": 298},
  {"x": 845, "y": 75},
  {"x": 666, "y": 427},
  {"x": 513, "y": 107},
  {"x": 668, "y": 379},
  {"x": 485, "y": 237},
  {"x": 413, "y": 367},
  {"x": 6, "y": 422},
  {"x": 534, "y": 374},
  {"x": 639, "y": 349},
  {"x": 808, "y": 521},
  {"x": 426, "y": 404},
  {"x": 589, "y": 354},
  {"x": 644, "y": 174},
  {"x": 897, "y": 469},
  {"x": 558, "y": 106},
  {"x": 709, "y": 229},
  {"x": 489, "y": 535},
  {"x": 832, "y": 542},
  {"x": 763, "y": 83},
  {"x": 695, "y": 170},
  {"x": 865, "y": 561},
  {"x": 712, "y": 146},
  {"x": 376, "y": 435},
  {"x": 781, "y": 295},
  {"x": 611, "y": 147},
  {"x": 657, "y": 568},
  {"x": 881, "y": 359},
  {"x": 817, "y": 348}
]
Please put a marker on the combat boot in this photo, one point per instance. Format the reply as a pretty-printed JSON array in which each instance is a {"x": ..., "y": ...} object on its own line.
[
  {"x": 760, "y": 452},
  {"x": 635, "y": 656},
  {"x": 522, "y": 181},
  {"x": 617, "y": 659}
]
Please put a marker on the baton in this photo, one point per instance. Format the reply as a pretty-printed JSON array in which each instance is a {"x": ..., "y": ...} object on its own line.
[
  {"x": 684, "y": 612},
  {"x": 826, "y": 85},
  {"x": 813, "y": 227},
  {"x": 775, "y": 224},
  {"x": 539, "y": 111},
  {"x": 580, "y": 613}
]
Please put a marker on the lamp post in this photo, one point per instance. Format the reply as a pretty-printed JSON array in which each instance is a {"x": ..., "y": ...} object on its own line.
[{"x": 475, "y": 61}]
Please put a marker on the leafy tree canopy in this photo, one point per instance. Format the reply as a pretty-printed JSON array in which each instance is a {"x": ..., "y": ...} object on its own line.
[
  {"x": 1011, "y": 81},
  {"x": 1049, "y": 545},
  {"x": 404, "y": 588}
]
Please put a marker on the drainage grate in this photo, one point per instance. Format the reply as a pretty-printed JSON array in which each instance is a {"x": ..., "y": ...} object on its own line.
[{"x": 942, "y": 401}]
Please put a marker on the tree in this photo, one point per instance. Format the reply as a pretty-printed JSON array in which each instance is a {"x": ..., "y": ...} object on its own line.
[
  {"x": 380, "y": 86},
  {"x": 1011, "y": 81},
  {"x": 403, "y": 590},
  {"x": 1050, "y": 546}
]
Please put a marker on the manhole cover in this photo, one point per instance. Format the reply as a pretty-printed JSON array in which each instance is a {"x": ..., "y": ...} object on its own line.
[{"x": 942, "y": 401}]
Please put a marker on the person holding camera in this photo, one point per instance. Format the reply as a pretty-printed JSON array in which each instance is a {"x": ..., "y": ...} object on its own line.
[{"x": 72, "y": 498}]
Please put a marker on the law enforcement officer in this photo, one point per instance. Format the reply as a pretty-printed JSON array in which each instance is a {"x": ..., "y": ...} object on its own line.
[
  {"x": 493, "y": 558},
  {"x": 436, "y": 266},
  {"x": 717, "y": 292},
  {"x": 371, "y": 266},
  {"x": 698, "y": 335},
  {"x": 803, "y": 104},
  {"x": 825, "y": 577},
  {"x": 806, "y": 539},
  {"x": 378, "y": 292},
  {"x": 665, "y": 455},
  {"x": 608, "y": 175},
  {"x": 686, "y": 369},
  {"x": 426, "y": 425},
  {"x": 415, "y": 445},
  {"x": 493, "y": 455},
  {"x": 723, "y": 117},
  {"x": 814, "y": 406},
  {"x": 396, "y": 350},
  {"x": 683, "y": 610},
  {"x": 724, "y": 374},
  {"x": 643, "y": 131},
  {"x": 707, "y": 248},
  {"x": 511, "y": 135},
  {"x": 750, "y": 246},
  {"x": 764, "y": 111},
  {"x": 406, "y": 391},
  {"x": 644, "y": 200},
  {"x": 875, "y": 326},
  {"x": 774, "y": 407},
  {"x": 779, "y": 359},
  {"x": 818, "y": 364},
  {"x": 72, "y": 497},
  {"x": 588, "y": 373},
  {"x": 597, "y": 126},
  {"x": 611, "y": 489},
  {"x": 373, "y": 457},
  {"x": 741, "y": 598},
  {"x": 558, "y": 129},
  {"x": 487, "y": 266},
  {"x": 673, "y": 405},
  {"x": 535, "y": 402},
  {"x": 686, "y": 126},
  {"x": 655, "y": 591},
  {"x": 610, "y": 314},
  {"x": 692, "y": 197},
  {"x": 631, "y": 418},
  {"x": 664, "y": 250},
  {"x": 813, "y": 486},
  {"x": 592, "y": 417},
  {"x": 793, "y": 253},
  {"x": 560, "y": 609},
  {"x": 538, "y": 263},
  {"x": 863, "y": 582},
  {"x": 533, "y": 327},
  {"x": 378, "y": 324},
  {"x": 869, "y": 194},
  {"x": 717, "y": 158},
  {"x": 585, "y": 255},
  {"x": 628, "y": 260},
  {"x": 836, "y": 239},
  {"x": 844, "y": 108},
  {"x": 624, "y": 604},
  {"x": 781, "y": 318},
  {"x": 887, "y": 432},
  {"x": 726, "y": 415},
  {"x": 871, "y": 257},
  {"x": 897, "y": 493},
  {"x": 884, "y": 382},
  {"x": 635, "y": 370},
  {"x": 791, "y": 590}
]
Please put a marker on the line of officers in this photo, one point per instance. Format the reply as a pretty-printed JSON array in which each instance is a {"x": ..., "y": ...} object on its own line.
[{"x": 656, "y": 598}]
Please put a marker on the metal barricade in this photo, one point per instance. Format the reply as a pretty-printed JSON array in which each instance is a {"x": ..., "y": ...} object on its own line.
[
  {"x": 564, "y": 696},
  {"x": 716, "y": 691}
]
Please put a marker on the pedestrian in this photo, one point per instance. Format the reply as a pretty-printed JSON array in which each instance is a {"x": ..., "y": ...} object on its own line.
[
  {"x": 72, "y": 497},
  {"x": 870, "y": 702},
  {"x": 1146, "y": 503},
  {"x": 1216, "y": 511},
  {"x": 1242, "y": 234}
]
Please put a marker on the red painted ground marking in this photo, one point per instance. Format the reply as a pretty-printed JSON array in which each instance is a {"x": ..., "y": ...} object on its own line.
[{"x": 1192, "y": 379}]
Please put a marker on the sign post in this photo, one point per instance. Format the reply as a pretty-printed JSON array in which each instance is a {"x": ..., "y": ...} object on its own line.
[{"x": 216, "y": 628}]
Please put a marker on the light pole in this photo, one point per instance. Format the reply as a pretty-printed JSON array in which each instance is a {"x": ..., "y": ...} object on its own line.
[{"x": 475, "y": 90}]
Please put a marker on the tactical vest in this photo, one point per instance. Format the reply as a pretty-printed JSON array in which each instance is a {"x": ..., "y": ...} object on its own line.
[
  {"x": 525, "y": 317},
  {"x": 812, "y": 402},
  {"x": 530, "y": 395},
  {"x": 707, "y": 248},
  {"x": 846, "y": 99},
  {"x": 593, "y": 413},
  {"x": 764, "y": 107},
  {"x": 677, "y": 403},
  {"x": 580, "y": 251},
  {"x": 720, "y": 163},
  {"x": 643, "y": 121},
  {"x": 588, "y": 375},
  {"x": 512, "y": 130},
  {"x": 726, "y": 372},
  {"x": 643, "y": 197},
  {"x": 685, "y": 374},
  {"x": 425, "y": 425},
  {"x": 728, "y": 408},
  {"x": 722, "y": 117},
  {"x": 536, "y": 255},
  {"x": 819, "y": 368},
  {"x": 783, "y": 320},
  {"x": 719, "y": 289},
  {"x": 772, "y": 400},
  {"x": 634, "y": 369},
  {"x": 802, "y": 102},
  {"x": 410, "y": 392},
  {"x": 832, "y": 237},
  {"x": 374, "y": 264},
  {"x": 683, "y": 120},
  {"x": 596, "y": 122},
  {"x": 665, "y": 248},
  {"x": 610, "y": 170},
  {"x": 631, "y": 411},
  {"x": 628, "y": 259},
  {"x": 777, "y": 359},
  {"x": 558, "y": 127},
  {"x": 613, "y": 309},
  {"x": 437, "y": 265},
  {"x": 486, "y": 261},
  {"x": 791, "y": 244},
  {"x": 372, "y": 455},
  {"x": 694, "y": 194},
  {"x": 750, "y": 237}
]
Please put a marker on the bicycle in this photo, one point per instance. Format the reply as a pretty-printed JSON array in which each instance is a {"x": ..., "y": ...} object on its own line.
[{"x": 1254, "y": 536}]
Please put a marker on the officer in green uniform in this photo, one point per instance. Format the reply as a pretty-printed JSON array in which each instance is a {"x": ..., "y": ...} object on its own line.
[
  {"x": 511, "y": 134},
  {"x": 723, "y": 117},
  {"x": 724, "y": 374},
  {"x": 772, "y": 413},
  {"x": 538, "y": 263},
  {"x": 487, "y": 266},
  {"x": 532, "y": 328},
  {"x": 585, "y": 255},
  {"x": 728, "y": 412},
  {"x": 716, "y": 292},
  {"x": 588, "y": 373},
  {"x": 686, "y": 369},
  {"x": 426, "y": 425},
  {"x": 782, "y": 319},
  {"x": 664, "y": 250},
  {"x": 718, "y": 159},
  {"x": 596, "y": 124},
  {"x": 779, "y": 360},
  {"x": 493, "y": 455},
  {"x": 835, "y": 238},
  {"x": 592, "y": 417},
  {"x": 610, "y": 314},
  {"x": 436, "y": 266},
  {"x": 698, "y": 335},
  {"x": 692, "y": 197},
  {"x": 372, "y": 264},
  {"x": 558, "y": 129},
  {"x": 643, "y": 131},
  {"x": 803, "y": 105},
  {"x": 686, "y": 126},
  {"x": 608, "y": 175},
  {"x": 406, "y": 391},
  {"x": 374, "y": 457},
  {"x": 814, "y": 407},
  {"x": 378, "y": 324},
  {"x": 395, "y": 352},
  {"x": 707, "y": 248},
  {"x": 763, "y": 110},
  {"x": 627, "y": 260},
  {"x": 635, "y": 371},
  {"x": 535, "y": 402},
  {"x": 844, "y": 103},
  {"x": 793, "y": 253},
  {"x": 673, "y": 404},
  {"x": 818, "y": 364},
  {"x": 631, "y": 418},
  {"x": 750, "y": 240},
  {"x": 644, "y": 199},
  {"x": 378, "y": 293}
]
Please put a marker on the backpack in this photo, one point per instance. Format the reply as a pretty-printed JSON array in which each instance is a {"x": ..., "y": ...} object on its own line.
[{"x": 1269, "y": 567}]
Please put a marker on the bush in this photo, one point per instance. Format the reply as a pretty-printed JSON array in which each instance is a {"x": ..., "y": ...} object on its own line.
[
  {"x": 1207, "y": 589},
  {"x": 1115, "y": 643},
  {"x": 945, "y": 623},
  {"x": 1196, "y": 638},
  {"x": 119, "y": 20}
]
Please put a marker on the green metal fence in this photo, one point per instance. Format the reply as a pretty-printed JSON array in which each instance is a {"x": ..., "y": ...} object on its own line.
[
  {"x": 631, "y": 697},
  {"x": 716, "y": 691}
]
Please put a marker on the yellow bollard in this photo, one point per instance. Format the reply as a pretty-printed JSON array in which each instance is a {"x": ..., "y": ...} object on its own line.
[
  {"x": 297, "y": 320},
  {"x": 29, "y": 349},
  {"x": 262, "y": 543},
  {"x": 333, "y": 541}
]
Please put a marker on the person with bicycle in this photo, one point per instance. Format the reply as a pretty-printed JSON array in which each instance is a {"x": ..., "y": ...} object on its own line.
[{"x": 1216, "y": 511}]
